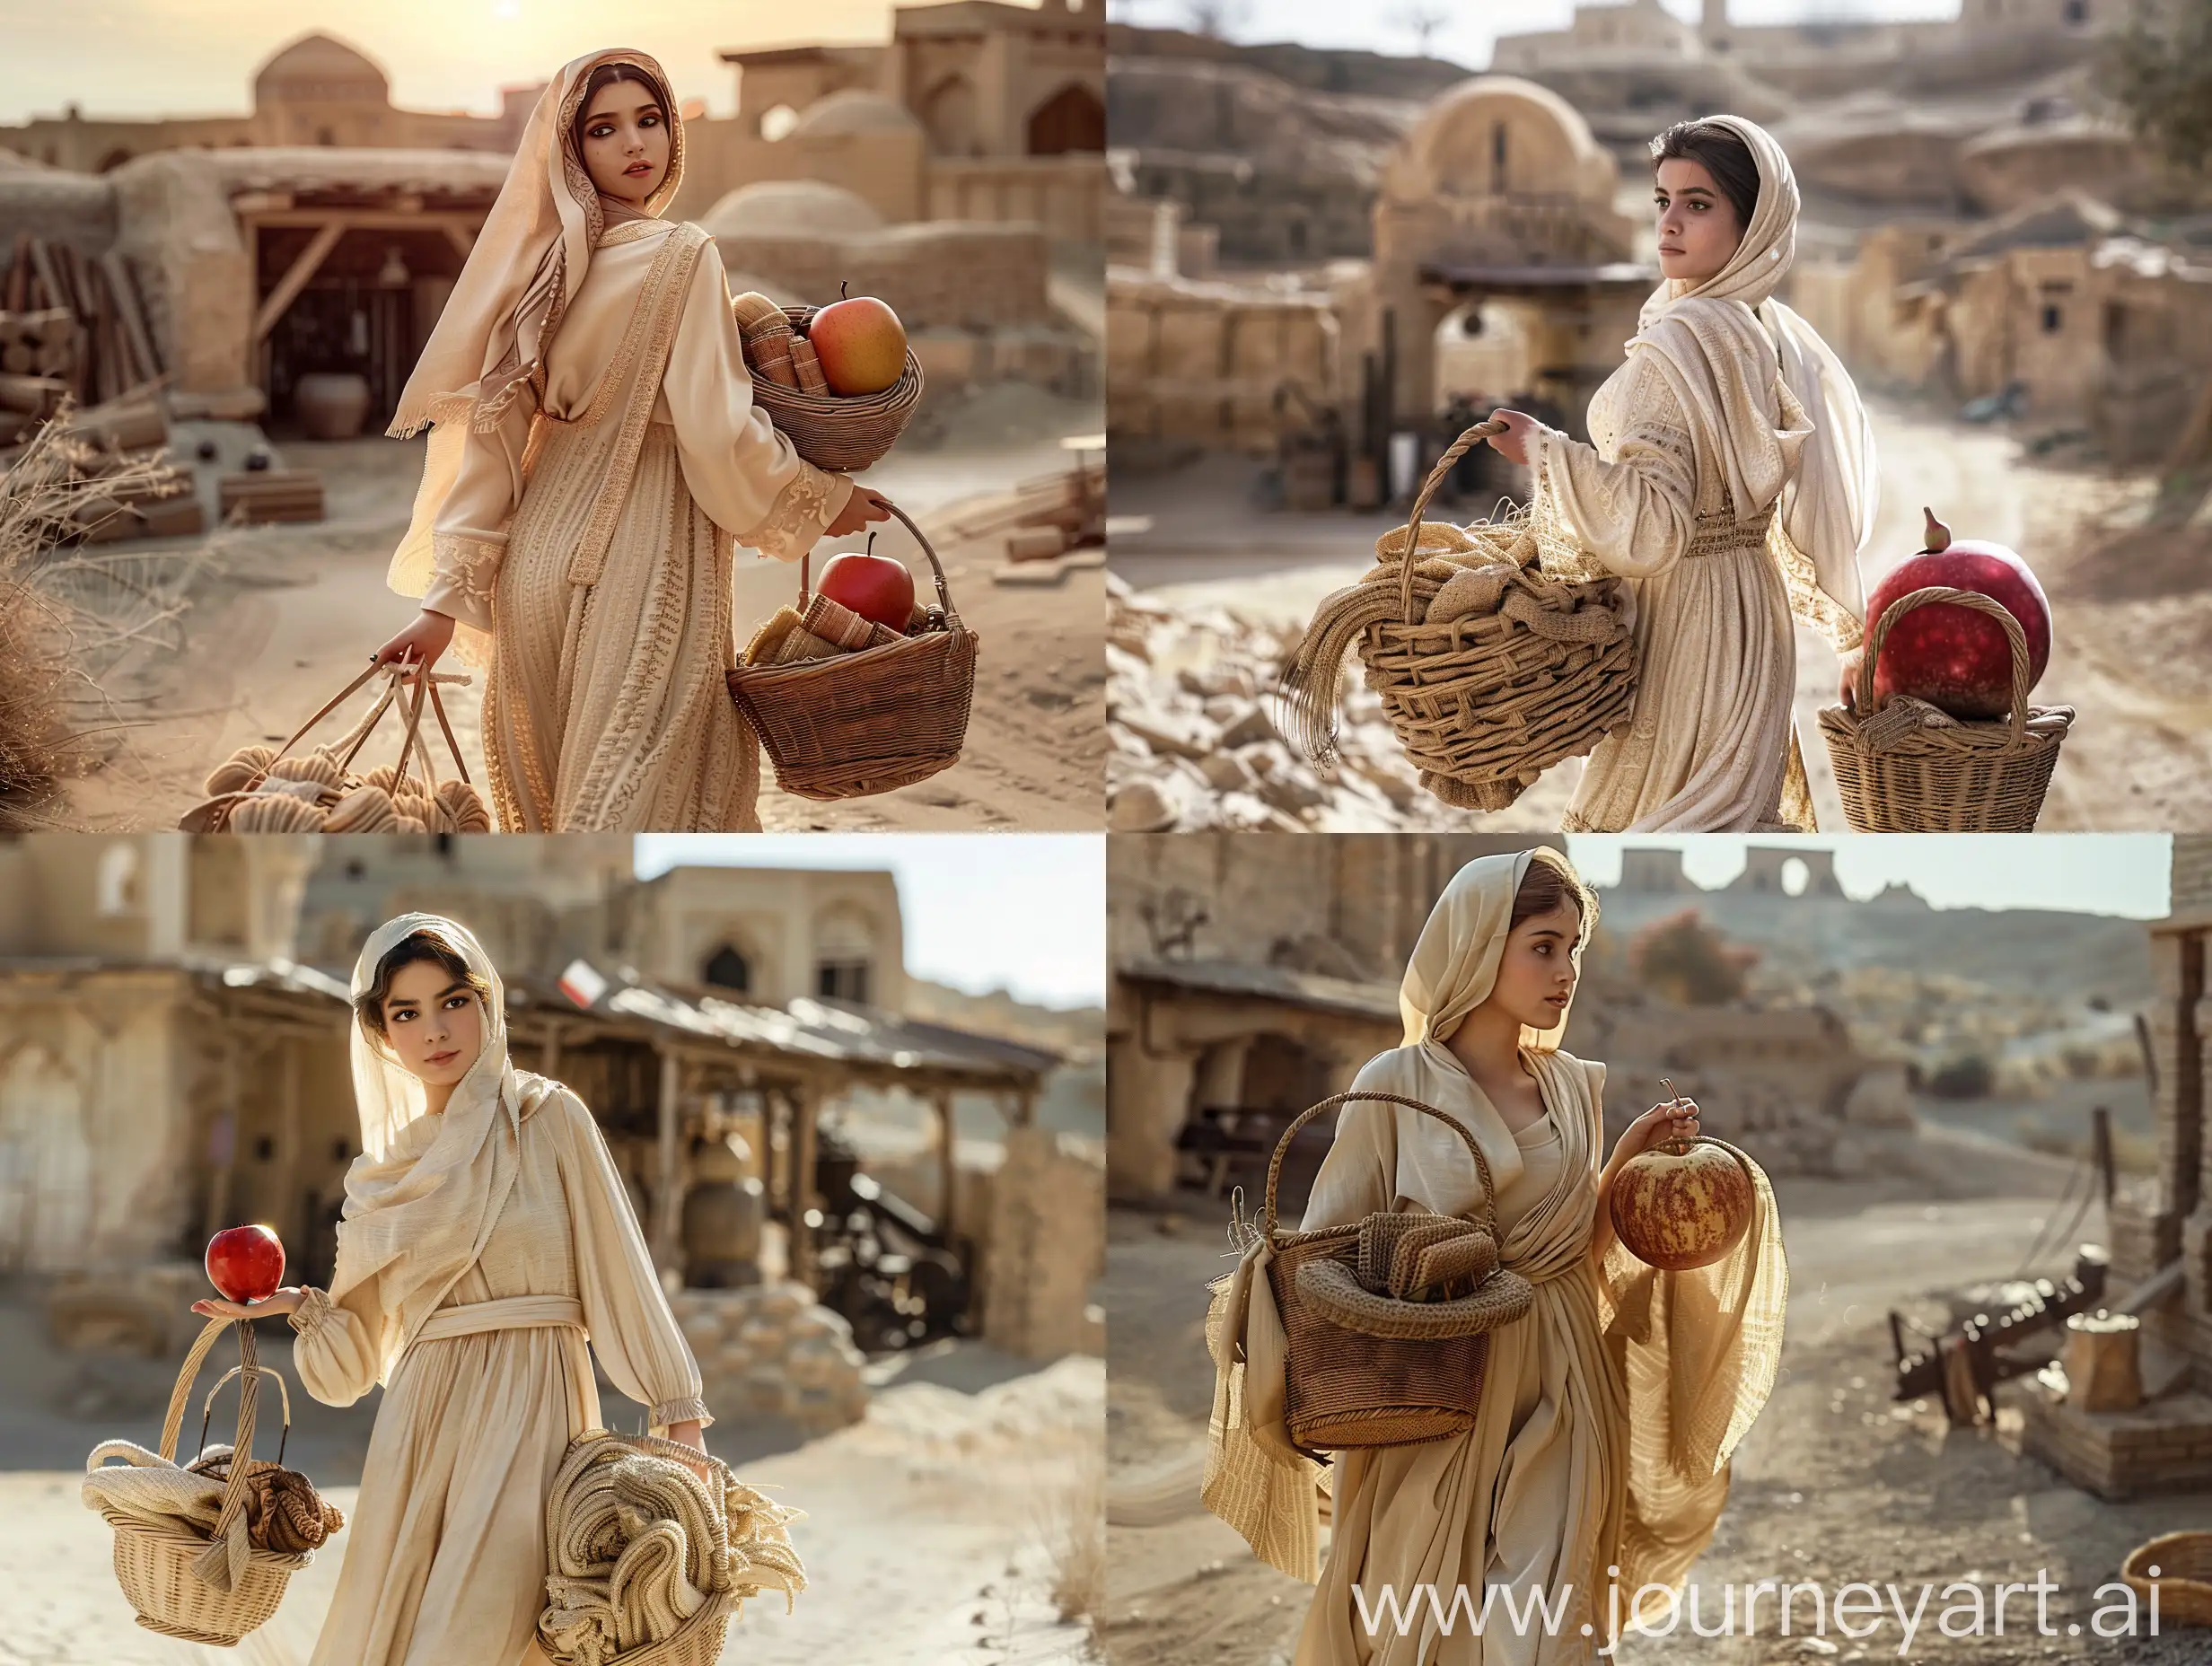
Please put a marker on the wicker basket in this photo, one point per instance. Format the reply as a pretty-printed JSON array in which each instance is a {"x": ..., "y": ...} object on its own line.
[
  {"x": 1910, "y": 768},
  {"x": 864, "y": 722},
  {"x": 1483, "y": 704},
  {"x": 458, "y": 807},
  {"x": 154, "y": 1564},
  {"x": 2183, "y": 1581},
  {"x": 833, "y": 430},
  {"x": 1347, "y": 1388},
  {"x": 698, "y": 1641}
]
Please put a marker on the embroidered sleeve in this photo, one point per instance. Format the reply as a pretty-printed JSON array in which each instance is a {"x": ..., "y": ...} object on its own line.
[
  {"x": 690, "y": 1409},
  {"x": 1635, "y": 515},
  {"x": 464, "y": 568},
  {"x": 802, "y": 511},
  {"x": 314, "y": 1308}
]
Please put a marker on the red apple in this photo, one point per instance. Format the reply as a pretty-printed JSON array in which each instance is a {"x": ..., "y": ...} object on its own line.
[
  {"x": 1681, "y": 1204},
  {"x": 246, "y": 1263},
  {"x": 873, "y": 586},
  {"x": 1951, "y": 656},
  {"x": 861, "y": 344}
]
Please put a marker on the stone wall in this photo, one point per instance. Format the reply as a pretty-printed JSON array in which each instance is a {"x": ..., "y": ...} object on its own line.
[
  {"x": 769, "y": 1351},
  {"x": 1048, "y": 1239},
  {"x": 1201, "y": 362}
]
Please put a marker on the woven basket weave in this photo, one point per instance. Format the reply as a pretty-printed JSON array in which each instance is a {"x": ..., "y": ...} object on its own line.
[
  {"x": 154, "y": 1565},
  {"x": 2184, "y": 1577},
  {"x": 843, "y": 433},
  {"x": 698, "y": 1641},
  {"x": 1347, "y": 1388},
  {"x": 1910, "y": 768},
  {"x": 859, "y": 723},
  {"x": 1483, "y": 704}
]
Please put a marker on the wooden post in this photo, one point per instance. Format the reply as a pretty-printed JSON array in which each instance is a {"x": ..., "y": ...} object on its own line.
[
  {"x": 807, "y": 1104},
  {"x": 948, "y": 1164},
  {"x": 550, "y": 1059},
  {"x": 288, "y": 1145},
  {"x": 665, "y": 1214}
]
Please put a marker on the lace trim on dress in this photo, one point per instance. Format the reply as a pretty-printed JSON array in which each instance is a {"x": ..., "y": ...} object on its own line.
[
  {"x": 1556, "y": 551},
  {"x": 1809, "y": 604},
  {"x": 796, "y": 519}
]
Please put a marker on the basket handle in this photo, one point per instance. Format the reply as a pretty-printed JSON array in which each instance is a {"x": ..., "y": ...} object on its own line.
[
  {"x": 1459, "y": 448},
  {"x": 1282, "y": 1148},
  {"x": 1929, "y": 596},
  {"x": 936, "y": 568},
  {"x": 284, "y": 1395},
  {"x": 249, "y": 1391}
]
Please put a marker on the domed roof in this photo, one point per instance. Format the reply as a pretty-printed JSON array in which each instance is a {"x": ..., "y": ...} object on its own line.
[
  {"x": 854, "y": 110},
  {"x": 786, "y": 206},
  {"x": 324, "y": 65}
]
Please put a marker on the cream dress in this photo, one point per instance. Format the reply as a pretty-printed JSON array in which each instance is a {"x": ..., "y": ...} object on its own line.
[
  {"x": 445, "y": 1554},
  {"x": 592, "y": 539},
  {"x": 1710, "y": 746}
]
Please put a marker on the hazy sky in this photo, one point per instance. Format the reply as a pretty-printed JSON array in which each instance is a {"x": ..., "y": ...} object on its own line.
[
  {"x": 1022, "y": 911},
  {"x": 197, "y": 58},
  {"x": 2121, "y": 873},
  {"x": 1465, "y": 39}
]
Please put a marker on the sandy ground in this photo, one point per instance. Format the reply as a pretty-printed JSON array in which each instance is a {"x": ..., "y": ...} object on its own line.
[
  {"x": 286, "y": 616},
  {"x": 934, "y": 1530},
  {"x": 1834, "y": 1483},
  {"x": 2133, "y": 615}
]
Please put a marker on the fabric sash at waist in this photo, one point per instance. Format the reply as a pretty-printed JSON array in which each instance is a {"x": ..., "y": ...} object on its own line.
[{"x": 507, "y": 1313}]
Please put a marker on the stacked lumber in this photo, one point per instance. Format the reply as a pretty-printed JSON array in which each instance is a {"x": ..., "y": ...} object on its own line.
[
  {"x": 77, "y": 318},
  {"x": 271, "y": 494},
  {"x": 103, "y": 469}
]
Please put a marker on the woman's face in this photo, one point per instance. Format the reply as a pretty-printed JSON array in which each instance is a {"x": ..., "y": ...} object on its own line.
[
  {"x": 1697, "y": 225},
  {"x": 434, "y": 1022},
  {"x": 626, "y": 141},
  {"x": 1536, "y": 977}
]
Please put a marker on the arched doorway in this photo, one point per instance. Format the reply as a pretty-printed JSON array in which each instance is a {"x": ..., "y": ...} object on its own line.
[
  {"x": 46, "y": 1165},
  {"x": 954, "y": 117},
  {"x": 1073, "y": 119},
  {"x": 728, "y": 969}
]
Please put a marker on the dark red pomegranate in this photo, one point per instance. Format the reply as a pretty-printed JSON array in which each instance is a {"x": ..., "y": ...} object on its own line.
[{"x": 1951, "y": 656}]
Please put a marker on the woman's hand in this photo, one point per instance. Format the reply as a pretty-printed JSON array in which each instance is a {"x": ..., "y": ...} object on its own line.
[
  {"x": 279, "y": 1303},
  {"x": 420, "y": 644},
  {"x": 1677, "y": 1119},
  {"x": 865, "y": 505},
  {"x": 1847, "y": 685},
  {"x": 689, "y": 1433},
  {"x": 1513, "y": 444}
]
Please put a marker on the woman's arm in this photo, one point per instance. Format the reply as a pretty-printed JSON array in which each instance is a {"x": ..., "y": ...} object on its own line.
[
  {"x": 1635, "y": 514},
  {"x": 739, "y": 468},
  {"x": 337, "y": 1347},
  {"x": 1677, "y": 1119},
  {"x": 625, "y": 1309},
  {"x": 469, "y": 540}
]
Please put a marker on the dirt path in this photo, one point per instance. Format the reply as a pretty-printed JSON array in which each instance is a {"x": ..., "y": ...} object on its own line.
[
  {"x": 934, "y": 1535},
  {"x": 1835, "y": 1483},
  {"x": 2132, "y": 608},
  {"x": 292, "y": 612}
]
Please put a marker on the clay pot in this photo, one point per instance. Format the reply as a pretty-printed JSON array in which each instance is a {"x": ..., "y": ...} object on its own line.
[{"x": 330, "y": 404}]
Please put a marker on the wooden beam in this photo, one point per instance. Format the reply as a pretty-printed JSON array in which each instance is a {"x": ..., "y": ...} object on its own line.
[
  {"x": 289, "y": 285},
  {"x": 370, "y": 219},
  {"x": 665, "y": 1216},
  {"x": 808, "y": 1104},
  {"x": 948, "y": 1164}
]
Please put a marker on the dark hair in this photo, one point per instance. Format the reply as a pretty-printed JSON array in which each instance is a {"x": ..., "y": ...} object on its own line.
[
  {"x": 607, "y": 76},
  {"x": 1722, "y": 153},
  {"x": 416, "y": 948},
  {"x": 1548, "y": 883}
]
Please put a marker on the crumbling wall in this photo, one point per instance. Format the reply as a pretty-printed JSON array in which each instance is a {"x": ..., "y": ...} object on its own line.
[{"x": 1047, "y": 1246}]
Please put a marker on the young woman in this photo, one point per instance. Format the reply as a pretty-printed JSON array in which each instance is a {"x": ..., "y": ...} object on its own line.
[
  {"x": 485, "y": 1238},
  {"x": 1733, "y": 483},
  {"x": 596, "y": 452},
  {"x": 1599, "y": 1459}
]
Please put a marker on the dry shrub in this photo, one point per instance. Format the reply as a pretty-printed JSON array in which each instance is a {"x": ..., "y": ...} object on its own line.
[
  {"x": 69, "y": 617},
  {"x": 1077, "y": 1541}
]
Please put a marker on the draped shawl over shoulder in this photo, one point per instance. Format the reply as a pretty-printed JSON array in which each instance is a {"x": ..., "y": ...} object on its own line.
[
  {"x": 487, "y": 352},
  {"x": 1770, "y": 407},
  {"x": 421, "y": 1198},
  {"x": 1651, "y": 1378}
]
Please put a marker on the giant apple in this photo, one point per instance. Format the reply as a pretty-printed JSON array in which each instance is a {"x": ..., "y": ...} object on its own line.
[
  {"x": 861, "y": 344},
  {"x": 1682, "y": 1204},
  {"x": 1953, "y": 657},
  {"x": 873, "y": 586},
  {"x": 246, "y": 1263}
]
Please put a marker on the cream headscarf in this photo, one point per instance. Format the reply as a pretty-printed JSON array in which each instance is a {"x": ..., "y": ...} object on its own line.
[
  {"x": 1818, "y": 467},
  {"x": 488, "y": 352},
  {"x": 420, "y": 1203}
]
